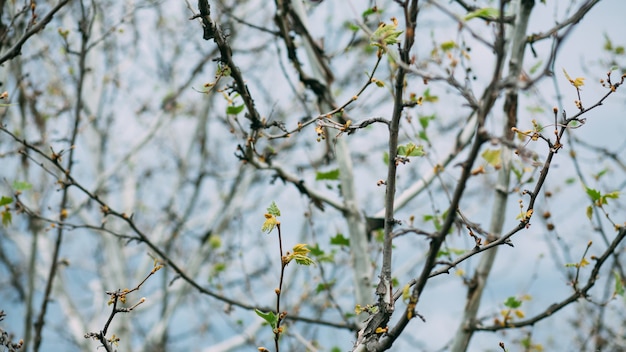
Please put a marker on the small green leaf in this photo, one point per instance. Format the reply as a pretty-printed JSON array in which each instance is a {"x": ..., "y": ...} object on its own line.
[
  {"x": 317, "y": 251},
  {"x": 273, "y": 209},
  {"x": 340, "y": 240},
  {"x": 593, "y": 194},
  {"x": 425, "y": 120},
  {"x": 612, "y": 195},
  {"x": 324, "y": 286},
  {"x": 488, "y": 13},
  {"x": 619, "y": 285},
  {"x": 6, "y": 218},
  {"x": 332, "y": 175},
  {"x": 370, "y": 11},
  {"x": 411, "y": 149},
  {"x": 352, "y": 27},
  {"x": 386, "y": 158},
  {"x": 512, "y": 303},
  {"x": 429, "y": 97},
  {"x": 234, "y": 110},
  {"x": 535, "y": 67},
  {"x": 449, "y": 45},
  {"x": 5, "y": 201},
  {"x": 589, "y": 212},
  {"x": 492, "y": 157},
  {"x": 21, "y": 186},
  {"x": 269, "y": 317}
]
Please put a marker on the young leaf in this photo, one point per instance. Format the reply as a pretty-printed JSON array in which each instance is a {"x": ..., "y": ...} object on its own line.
[
  {"x": 406, "y": 293},
  {"x": 269, "y": 317},
  {"x": 576, "y": 82},
  {"x": 512, "y": 303},
  {"x": 488, "y": 13},
  {"x": 492, "y": 157},
  {"x": 5, "y": 201},
  {"x": 273, "y": 209},
  {"x": 449, "y": 45},
  {"x": 234, "y": 109},
  {"x": 6, "y": 218},
  {"x": 21, "y": 186},
  {"x": 339, "y": 240},
  {"x": 411, "y": 149},
  {"x": 619, "y": 285},
  {"x": 332, "y": 175},
  {"x": 270, "y": 223},
  {"x": 300, "y": 253},
  {"x": 593, "y": 194},
  {"x": 385, "y": 34}
]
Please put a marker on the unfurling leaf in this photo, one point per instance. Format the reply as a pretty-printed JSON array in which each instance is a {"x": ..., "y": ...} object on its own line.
[
  {"x": 583, "y": 263},
  {"x": 576, "y": 82},
  {"x": 270, "y": 223},
  {"x": 489, "y": 13},
  {"x": 273, "y": 209},
  {"x": 411, "y": 149},
  {"x": 269, "y": 317},
  {"x": 300, "y": 255},
  {"x": 385, "y": 34}
]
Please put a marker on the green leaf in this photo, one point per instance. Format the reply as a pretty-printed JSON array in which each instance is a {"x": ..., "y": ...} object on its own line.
[
  {"x": 234, "y": 110},
  {"x": 371, "y": 11},
  {"x": 429, "y": 97},
  {"x": 386, "y": 158},
  {"x": 273, "y": 209},
  {"x": 489, "y": 13},
  {"x": 512, "y": 303},
  {"x": 21, "y": 186},
  {"x": 619, "y": 285},
  {"x": 332, "y": 175},
  {"x": 385, "y": 34},
  {"x": 352, "y": 27},
  {"x": 325, "y": 286},
  {"x": 6, "y": 218},
  {"x": 339, "y": 240},
  {"x": 5, "y": 200},
  {"x": 612, "y": 195},
  {"x": 269, "y": 317},
  {"x": 492, "y": 157},
  {"x": 411, "y": 149},
  {"x": 589, "y": 212},
  {"x": 425, "y": 120},
  {"x": 447, "y": 46},
  {"x": 317, "y": 251},
  {"x": 535, "y": 67},
  {"x": 593, "y": 194}
]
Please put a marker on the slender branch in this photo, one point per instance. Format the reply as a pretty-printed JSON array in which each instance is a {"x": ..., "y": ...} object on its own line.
[{"x": 16, "y": 49}]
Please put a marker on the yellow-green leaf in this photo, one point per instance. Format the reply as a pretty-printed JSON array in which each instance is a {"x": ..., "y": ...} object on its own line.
[
  {"x": 270, "y": 223},
  {"x": 406, "y": 293},
  {"x": 489, "y": 13},
  {"x": 492, "y": 157}
]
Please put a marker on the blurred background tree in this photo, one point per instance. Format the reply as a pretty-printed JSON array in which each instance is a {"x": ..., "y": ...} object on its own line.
[{"x": 402, "y": 140}]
